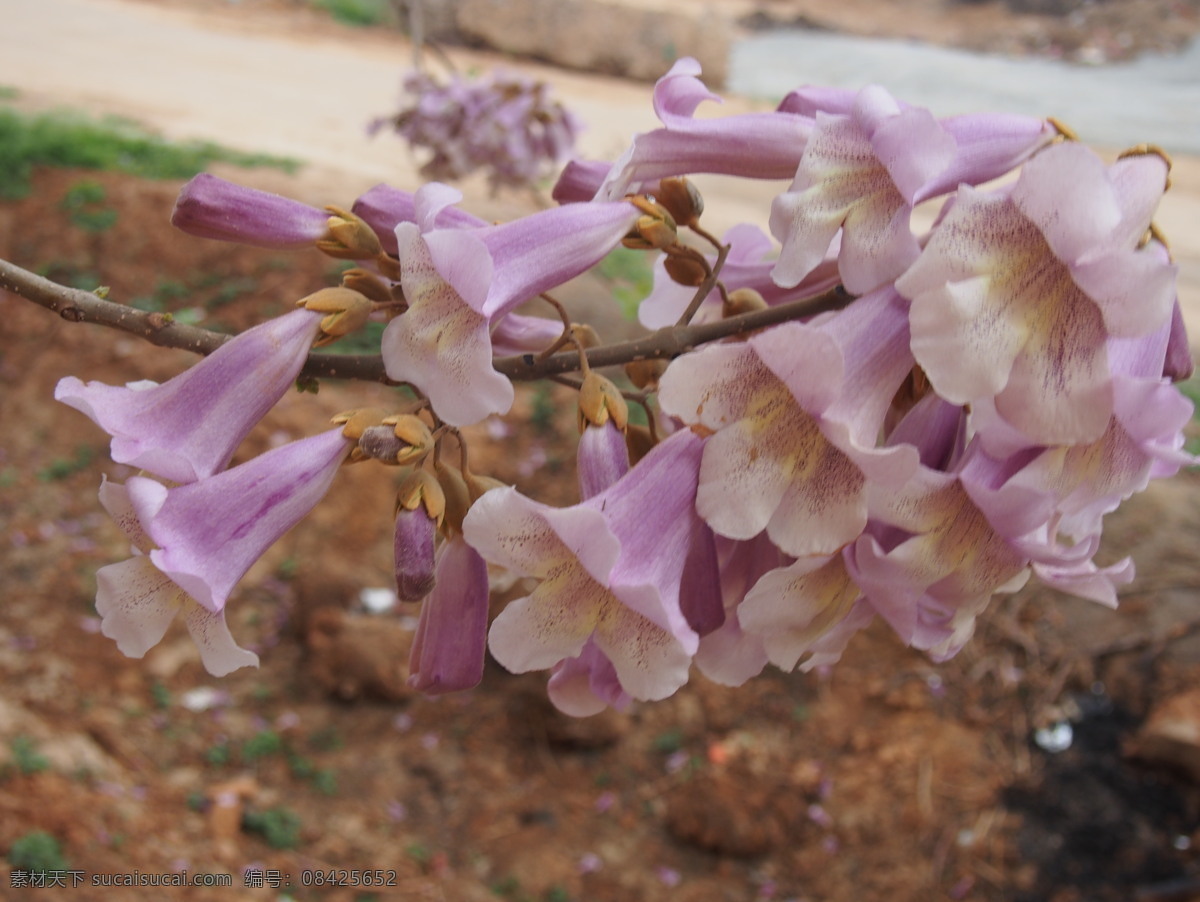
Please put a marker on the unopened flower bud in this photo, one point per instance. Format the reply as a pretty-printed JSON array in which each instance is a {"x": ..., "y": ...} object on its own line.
[
  {"x": 587, "y": 336},
  {"x": 369, "y": 284},
  {"x": 348, "y": 237},
  {"x": 742, "y": 300},
  {"x": 212, "y": 207},
  {"x": 686, "y": 270},
  {"x": 655, "y": 229},
  {"x": 414, "y": 435},
  {"x": 347, "y": 311},
  {"x": 420, "y": 506},
  {"x": 379, "y": 443},
  {"x": 645, "y": 373},
  {"x": 599, "y": 400},
  {"x": 681, "y": 200},
  {"x": 421, "y": 489},
  {"x": 458, "y": 497}
]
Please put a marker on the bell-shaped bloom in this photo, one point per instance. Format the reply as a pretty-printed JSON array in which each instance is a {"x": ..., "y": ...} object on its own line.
[
  {"x": 750, "y": 145},
  {"x": 943, "y": 558},
  {"x": 796, "y": 411},
  {"x": 448, "y": 648},
  {"x": 746, "y": 266},
  {"x": 137, "y": 602},
  {"x": 1142, "y": 441},
  {"x": 209, "y": 533},
  {"x": 610, "y": 570},
  {"x": 810, "y": 608},
  {"x": 211, "y": 207},
  {"x": 458, "y": 282},
  {"x": 188, "y": 428},
  {"x": 866, "y": 166},
  {"x": 1018, "y": 291}
]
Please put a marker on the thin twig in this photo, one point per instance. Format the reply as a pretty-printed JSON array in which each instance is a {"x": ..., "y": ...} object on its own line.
[{"x": 79, "y": 306}]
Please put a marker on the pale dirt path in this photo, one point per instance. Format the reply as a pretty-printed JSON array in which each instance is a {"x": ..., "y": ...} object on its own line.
[{"x": 262, "y": 83}]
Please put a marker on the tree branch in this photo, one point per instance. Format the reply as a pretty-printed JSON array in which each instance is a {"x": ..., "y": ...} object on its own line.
[{"x": 79, "y": 306}]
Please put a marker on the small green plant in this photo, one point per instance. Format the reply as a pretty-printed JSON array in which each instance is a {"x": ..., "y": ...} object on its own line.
[
  {"x": 69, "y": 140},
  {"x": 356, "y": 12},
  {"x": 668, "y": 742},
  {"x": 280, "y": 827},
  {"x": 83, "y": 202},
  {"x": 161, "y": 696},
  {"x": 62, "y": 467},
  {"x": 261, "y": 745},
  {"x": 36, "y": 851},
  {"x": 219, "y": 755},
  {"x": 26, "y": 756}
]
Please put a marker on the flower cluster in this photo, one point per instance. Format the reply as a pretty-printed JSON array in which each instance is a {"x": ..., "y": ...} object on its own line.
[
  {"x": 503, "y": 123},
  {"x": 847, "y": 421}
]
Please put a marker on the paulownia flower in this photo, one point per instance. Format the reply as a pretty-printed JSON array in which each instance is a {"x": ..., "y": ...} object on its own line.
[
  {"x": 137, "y": 602},
  {"x": 1019, "y": 290},
  {"x": 610, "y": 571},
  {"x": 868, "y": 162},
  {"x": 188, "y": 428},
  {"x": 459, "y": 281},
  {"x": 751, "y": 145},
  {"x": 210, "y": 532},
  {"x": 810, "y": 608},
  {"x": 796, "y": 410}
]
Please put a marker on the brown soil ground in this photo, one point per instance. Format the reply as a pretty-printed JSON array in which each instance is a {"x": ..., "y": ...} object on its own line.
[{"x": 888, "y": 779}]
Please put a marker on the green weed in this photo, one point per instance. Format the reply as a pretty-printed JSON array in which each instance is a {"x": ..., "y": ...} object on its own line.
[
  {"x": 280, "y": 827},
  {"x": 26, "y": 755},
  {"x": 62, "y": 467},
  {"x": 36, "y": 851},
  {"x": 70, "y": 140},
  {"x": 356, "y": 12}
]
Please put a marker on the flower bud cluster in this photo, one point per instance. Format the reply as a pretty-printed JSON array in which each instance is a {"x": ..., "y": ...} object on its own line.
[{"x": 962, "y": 419}]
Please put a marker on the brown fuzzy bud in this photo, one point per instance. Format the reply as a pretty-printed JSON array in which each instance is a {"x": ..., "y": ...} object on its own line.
[
  {"x": 645, "y": 373},
  {"x": 369, "y": 284},
  {"x": 655, "y": 229},
  {"x": 742, "y": 300},
  {"x": 415, "y": 435},
  {"x": 685, "y": 269},
  {"x": 421, "y": 489},
  {"x": 681, "y": 199},
  {"x": 599, "y": 400},
  {"x": 348, "y": 311},
  {"x": 585, "y": 335},
  {"x": 348, "y": 237},
  {"x": 458, "y": 497}
]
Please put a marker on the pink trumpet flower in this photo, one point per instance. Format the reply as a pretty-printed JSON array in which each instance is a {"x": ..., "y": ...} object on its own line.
[{"x": 188, "y": 428}]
